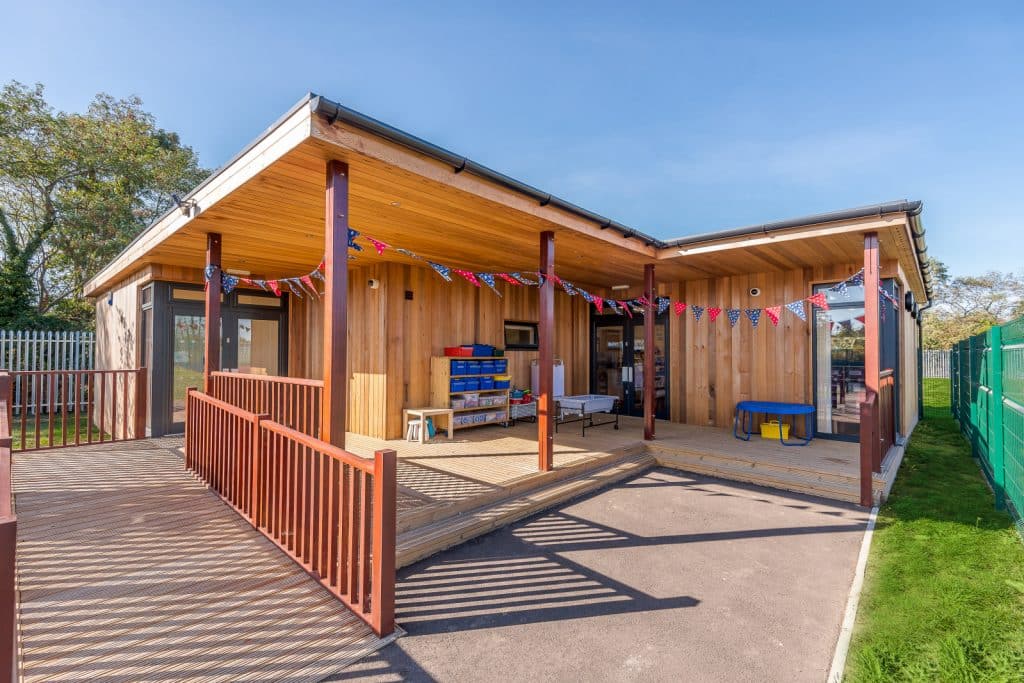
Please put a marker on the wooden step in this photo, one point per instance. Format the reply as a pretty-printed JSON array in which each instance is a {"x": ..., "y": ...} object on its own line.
[
  {"x": 515, "y": 487},
  {"x": 416, "y": 544}
]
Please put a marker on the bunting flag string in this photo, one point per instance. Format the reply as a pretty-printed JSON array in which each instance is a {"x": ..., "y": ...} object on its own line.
[{"x": 305, "y": 285}]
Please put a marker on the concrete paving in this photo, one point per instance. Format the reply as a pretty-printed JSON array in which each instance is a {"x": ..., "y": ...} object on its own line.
[{"x": 667, "y": 576}]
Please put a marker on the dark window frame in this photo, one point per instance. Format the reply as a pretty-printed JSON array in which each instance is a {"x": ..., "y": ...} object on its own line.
[{"x": 533, "y": 326}]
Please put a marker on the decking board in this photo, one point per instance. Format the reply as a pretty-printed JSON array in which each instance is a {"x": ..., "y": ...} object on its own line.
[{"x": 130, "y": 569}]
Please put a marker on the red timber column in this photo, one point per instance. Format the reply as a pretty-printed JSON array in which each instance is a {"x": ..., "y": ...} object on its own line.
[
  {"x": 649, "y": 352},
  {"x": 334, "y": 406},
  {"x": 870, "y": 447},
  {"x": 211, "y": 356},
  {"x": 546, "y": 359}
]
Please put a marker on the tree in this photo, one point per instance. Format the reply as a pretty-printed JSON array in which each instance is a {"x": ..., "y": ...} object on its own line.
[
  {"x": 968, "y": 305},
  {"x": 74, "y": 190}
]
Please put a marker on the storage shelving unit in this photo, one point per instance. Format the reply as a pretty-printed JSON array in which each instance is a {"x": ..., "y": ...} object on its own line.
[{"x": 441, "y": 393}]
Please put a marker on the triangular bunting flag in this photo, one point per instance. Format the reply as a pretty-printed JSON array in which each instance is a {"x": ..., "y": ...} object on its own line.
[
  {"x": 755, "y": 315},
  {"x": 612, "y": 305},
  {"x": 262, "y": 284},
  {"x": 509, "y": 279},
  {"x": 642, "y": 301},
  {"x": 540, "y": 279},
  {"x": 488, "y": 279},
  {"x": 352, "y": 235},
  {"x": 697, "y": 311},
  {"x": 308, "y": 282},
  {"x": 274, "y": 287},
  {"x": 797, "y": 308},
  {"x": 525, "y": 280},
  {"x": 857, "y": 279},
  {"x": 773, "y": 314},
  {"x": 408, "y": 253},
  {"x": 843, "y": 289},
  {"x": 679, "y": 307},
  {"x": 625, "y": 307},
  {"x": 291, "y": 286},
  {"x": 468, "y": 275},
  {"x": 663, "y": 304},
  {"x": 378, "y": 245},
  {"x": 599, "y": 304},
  {"x": 587, "y": 296},
  {"x": 228, "y": 283},
  {"x": 713, "y": 313},
  {"x": 819, "y": 300},
  {"x": 443, "y": 271},
  {"x": 568, "y": 287},
  {"x": 734, "y": 316}
]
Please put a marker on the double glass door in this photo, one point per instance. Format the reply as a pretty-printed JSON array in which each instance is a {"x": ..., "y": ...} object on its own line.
[
  {"x": 617, "y": 367},
  {"x": 251, "y": 342}
]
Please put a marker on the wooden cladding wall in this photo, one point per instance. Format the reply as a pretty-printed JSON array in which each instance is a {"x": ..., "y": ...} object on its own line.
[{"x": 392, "y": 338}]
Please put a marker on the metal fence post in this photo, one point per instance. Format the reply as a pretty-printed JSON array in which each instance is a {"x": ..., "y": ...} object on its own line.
[{"x": 995, "y": 418}]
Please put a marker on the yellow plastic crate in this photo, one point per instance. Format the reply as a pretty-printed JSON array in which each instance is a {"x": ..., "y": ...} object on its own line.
[{"x": 770, "y": 430}]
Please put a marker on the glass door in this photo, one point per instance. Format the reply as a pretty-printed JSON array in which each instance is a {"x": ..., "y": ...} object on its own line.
[
  {"x": 188, "y": 332},
  {"x": 617, "y": 367},
  {"x": 254, "y": 345}
]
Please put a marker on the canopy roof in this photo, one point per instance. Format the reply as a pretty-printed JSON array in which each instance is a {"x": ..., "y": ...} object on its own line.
[{"x": 268, "y": 204}]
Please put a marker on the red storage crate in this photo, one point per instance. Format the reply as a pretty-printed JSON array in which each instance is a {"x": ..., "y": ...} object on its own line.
[{"x": 458, "y": 351}]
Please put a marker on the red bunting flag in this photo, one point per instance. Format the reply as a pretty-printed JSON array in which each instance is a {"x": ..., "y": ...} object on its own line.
[
  {"x": 626, "y": 307},
  {"x": 773, "y": 313},
  {"x": 680, "y": 307},
  {"x": 714, "y": 312},
  {"x": 599, "y": 304},
  {"x": 274, "y": 287},
  {"x": 322, "y": 266},
  {"x": 378, "y": 245},
  {"x": 819, "y": 300},
  {"x": 468, "y": 275},
  {"x": 308, "y": 282},
  {"x": 509, "y": 279},
  {"x": 642, "y": 300}
]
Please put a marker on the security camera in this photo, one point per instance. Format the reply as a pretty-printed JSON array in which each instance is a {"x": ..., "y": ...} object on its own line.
[
  {"x": 374, "y": 284},
  {"x": 755, "y": 291}
]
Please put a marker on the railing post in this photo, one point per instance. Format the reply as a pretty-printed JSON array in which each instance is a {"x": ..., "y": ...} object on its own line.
[
  {"x": 385, "y": 518},
  {"x": 189, "y": 460},
  {"x": 257, "y": 447},
  {"x": 141, "y": 384},
  {"x": 995, "y": 419}
]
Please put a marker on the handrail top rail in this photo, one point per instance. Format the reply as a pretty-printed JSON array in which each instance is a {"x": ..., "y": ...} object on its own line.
[
  {"x": 269, "y": 378},
  {"x": 223, "y": 405},
  {"x": 71, "y": 371},
  {"x": 330, "y": 450},
  {"x": 888, "y": 372}
]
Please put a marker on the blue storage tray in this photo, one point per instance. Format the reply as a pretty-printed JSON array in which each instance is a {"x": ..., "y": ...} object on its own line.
[
  {"x": 459, "y": 367},
  {"x": 470, "y": 385},
  {"x": 487, "y": 368},
  {"x": 500, "y": 367},
  {"x": 486, "y": 383},
  {"x": 502, "y": 384}
]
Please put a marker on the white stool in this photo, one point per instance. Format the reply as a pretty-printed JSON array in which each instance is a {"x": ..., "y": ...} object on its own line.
[{"x": 412, "y": 432}]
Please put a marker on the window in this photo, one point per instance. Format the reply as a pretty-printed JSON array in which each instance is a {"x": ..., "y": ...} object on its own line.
[
  {"x": 520, "y": 335},
  {"x": 259, "y": 300}
]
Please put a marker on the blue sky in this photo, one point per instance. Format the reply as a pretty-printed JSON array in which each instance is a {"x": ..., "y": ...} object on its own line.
[{"x": 674, "y": 119}]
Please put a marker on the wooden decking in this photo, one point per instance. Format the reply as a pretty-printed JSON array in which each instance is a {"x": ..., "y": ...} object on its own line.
[
  {"x": 450, "y": 491},
  {"x": 131, "y": 570}
]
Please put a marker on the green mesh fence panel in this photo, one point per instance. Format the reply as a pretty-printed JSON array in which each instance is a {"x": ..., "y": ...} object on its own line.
[
  {"x": 987, "y": 399},
  {"x": 1013, "y": 414}
]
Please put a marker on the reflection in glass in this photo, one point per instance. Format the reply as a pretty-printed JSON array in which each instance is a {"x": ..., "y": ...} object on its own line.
[
  {"x": 839, "y": 365},
  {"x": 258, "y": 346},
  {"x": 189, "y": 339}
]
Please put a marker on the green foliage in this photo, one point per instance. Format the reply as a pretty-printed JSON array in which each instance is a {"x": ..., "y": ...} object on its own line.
[
  {"x": 942, "y": 599},
  {"x": 969, "y": 305},
  {"x": 74, "y": 190}
]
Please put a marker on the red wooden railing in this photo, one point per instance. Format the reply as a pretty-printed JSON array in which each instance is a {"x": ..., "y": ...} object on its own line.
[
  {"x": 331, "y": 511},
  {"x": 8, "y": 543},
  {"x": 877, "y": 431},
  {"x": 290, "y": 401},
  {"x": 57, "y": 408}
]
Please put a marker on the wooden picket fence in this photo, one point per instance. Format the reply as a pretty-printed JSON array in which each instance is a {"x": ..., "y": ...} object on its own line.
[{"x": 935, "y": 363}]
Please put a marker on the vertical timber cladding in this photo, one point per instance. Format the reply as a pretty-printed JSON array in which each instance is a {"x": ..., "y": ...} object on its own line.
[{"x": 392, "y": 338}]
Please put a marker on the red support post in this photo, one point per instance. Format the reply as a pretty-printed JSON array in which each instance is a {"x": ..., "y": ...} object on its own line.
[
  {"x": 211, "y": 357},
  {"x": 334, "y": 405},
  {"x": 546, "y": 355},
  {"x": 872, "y": 339},
  {"x": 649, "y": 352},
  {"x": 385, "y": 516}
]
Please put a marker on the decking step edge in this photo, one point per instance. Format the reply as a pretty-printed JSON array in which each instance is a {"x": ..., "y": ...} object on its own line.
[{"x": 424, "y": 541}]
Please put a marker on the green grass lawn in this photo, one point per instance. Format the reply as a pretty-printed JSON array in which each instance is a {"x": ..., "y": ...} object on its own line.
[
  {"x": 943, "y": 597},
  {"x": 44, "y": 432}
]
